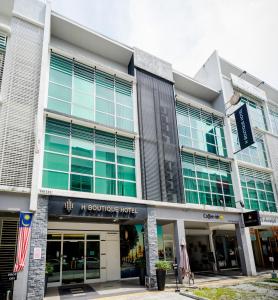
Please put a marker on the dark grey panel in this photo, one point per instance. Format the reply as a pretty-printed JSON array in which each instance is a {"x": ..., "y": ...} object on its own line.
[{"x": 160, "y": 157}]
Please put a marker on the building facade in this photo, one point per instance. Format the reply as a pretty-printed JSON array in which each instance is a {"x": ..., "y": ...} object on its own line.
[{"x": 121, "y": 157}]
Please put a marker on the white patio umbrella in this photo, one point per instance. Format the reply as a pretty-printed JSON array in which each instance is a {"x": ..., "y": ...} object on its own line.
[{"x": 184, "y": 260}]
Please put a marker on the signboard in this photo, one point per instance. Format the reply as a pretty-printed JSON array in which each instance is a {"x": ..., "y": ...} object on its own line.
[
  {"x": 251, "y": 218},
  {"x": 12, "y": 276},
  {"x": 243, "y": 125},
  {"x": 76, "y": 207},
  {"x": 37, "y": 253}
]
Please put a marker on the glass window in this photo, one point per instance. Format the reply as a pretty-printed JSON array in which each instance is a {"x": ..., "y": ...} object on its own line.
[
  {"x": 126, "y": 173},
  {"x": 83, "y": 166},
  {"x": 79, "y": 167},
  {"x": 55, "y": 180},
  {"x": 105, "y": 186},
  {"x": 55, "y": 161},
  {"x": 81, "y": 147},
  {"x": 56, "y": 144},
  {"x": 214, "y": 183},
  {"x": 126, "y": 188},
  {"x": 105, "y": 169},
  {"x": 201, "y": 130},
  {"x": 255, "y": 153},
  {"x": 257, "y": 193},
  {"x": 273, "y": 114},
  {"x": 79, "y": 90},
  {"x": 81, "y": 183}
]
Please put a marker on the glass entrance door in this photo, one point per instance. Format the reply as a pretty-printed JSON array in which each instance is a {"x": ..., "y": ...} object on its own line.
[
  {"x": 73, "y": 258},
  {"x": 73, "y": 262}
]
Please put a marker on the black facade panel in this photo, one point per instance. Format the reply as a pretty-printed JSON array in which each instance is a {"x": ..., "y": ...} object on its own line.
[{"x": 160, "y": 156}]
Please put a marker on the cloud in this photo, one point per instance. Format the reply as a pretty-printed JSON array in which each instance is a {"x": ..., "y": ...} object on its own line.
[{"x": 186, "y": 32}]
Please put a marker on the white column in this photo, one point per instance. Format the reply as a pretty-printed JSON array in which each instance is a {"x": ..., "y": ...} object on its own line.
[
  {"x": 245, "y": 251},
  {"x": 212, "y": 249}
]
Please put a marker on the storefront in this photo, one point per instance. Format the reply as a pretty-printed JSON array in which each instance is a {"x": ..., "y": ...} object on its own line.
[
  {"x": 265, "y": 240},
  {"x": 92, "y": 241}
]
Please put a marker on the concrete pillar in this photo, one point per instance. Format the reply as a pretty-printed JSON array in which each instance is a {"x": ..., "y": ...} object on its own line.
[
  {"x": 179, "y": 235},
  {"x": 151, "y": 247},
  {"x": 245, "y": 251},
  {"x": 212, "y": 249},
  {"x": 36, "y": 274}
]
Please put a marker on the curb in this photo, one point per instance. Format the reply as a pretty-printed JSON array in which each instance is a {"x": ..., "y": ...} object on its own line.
[{"x": 192, "y": 296}]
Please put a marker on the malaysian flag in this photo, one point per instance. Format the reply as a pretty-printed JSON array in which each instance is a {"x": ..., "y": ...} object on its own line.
[{"x": 24, "y": 229}]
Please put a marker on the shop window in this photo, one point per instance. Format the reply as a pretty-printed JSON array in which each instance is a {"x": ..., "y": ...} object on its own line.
[
  {"x": 131, "y": 249},
  {"x": 273, "y": 115}
]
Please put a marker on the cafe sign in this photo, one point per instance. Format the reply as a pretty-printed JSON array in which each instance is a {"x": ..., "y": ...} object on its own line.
[{"x": 76, "y": 207}]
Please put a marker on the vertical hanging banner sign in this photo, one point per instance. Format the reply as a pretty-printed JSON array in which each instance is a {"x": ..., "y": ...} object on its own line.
[
  {"x": 24, "y": 230},
  {"x": 243, "y": 125}
]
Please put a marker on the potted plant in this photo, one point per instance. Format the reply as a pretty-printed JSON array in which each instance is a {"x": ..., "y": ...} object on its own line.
[
  {"x": 48, "y": 272},
  {"x": 161, "y": 267},
  {"x": 140, "y": 264}
]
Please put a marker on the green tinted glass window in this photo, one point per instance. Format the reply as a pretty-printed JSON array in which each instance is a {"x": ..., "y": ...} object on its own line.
[
  {"x": 56, "y": 144},
  {"x": 214, "y": 183},
  {"x": 105, "y": 186},
  {"x": 60, "y": 77},
  {"x": 55, "y": 180},
  {"x": 81, "y": 147},
  {"x": 84, "y": 92},
  {"x": 105, "y": 170},
  {"x": 126, "y": 189},
  {"x": 59, "y": 92},
  {"x": 83, "y": 166},
  {"x": 255, "y": 185},
  {"x": 105, "y": 153},
  {"x": 59, "y": 106},
  {"x": 200, "y": 129},
  {"x": 81, "y": 183},
  {"x": 126, "y": 173},
  {"x": 55, "y": 161}
]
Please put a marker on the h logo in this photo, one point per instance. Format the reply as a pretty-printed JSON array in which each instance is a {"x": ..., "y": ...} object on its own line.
[{"x": 68, "y": 206}]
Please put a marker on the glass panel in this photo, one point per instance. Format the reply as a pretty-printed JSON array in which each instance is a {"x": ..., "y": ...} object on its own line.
[
  {"x": 56, "y": 144},
  {"x": 74, "y": 236},
  {"x": 54, "y": 236},
  {"x": 93, "y": 260},
  {"x": 125, "y": 158},
  {"x": 59, "y": 92},
  {"x": 73, "y": 262},
  {"x": 53, "y": 257},
  {"x": 82, "y": 183},
  {"x": 126, "y": 189},
  {"x": 105, "y": 119},
  {"x": 126, "y": 173},
  {"x": 93, "y": 237},
  {"x": 192, "y": 197},
  {"x": 56, "y": 161},
  {"x": 104, "y": 92},
  {"x": 105, "y": 170},
  {"x": 83, "y": 166},
  {"x": 81, "y": 147},
  {"x": 104, "y": 106},
  {"x": 60, "y": 106},
  {"x": 124, "y": 124},
  {"x": 55, "y": 180},
  {"x": 105, "y": 153},
  {"x": 105, "y": 186},
  {"x": 60, "y": 77},
  {"x": 124, "y": 99}
]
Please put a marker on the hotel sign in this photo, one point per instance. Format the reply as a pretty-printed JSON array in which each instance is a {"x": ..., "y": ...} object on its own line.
[
  {"x": 243, "y": 125},
  {"x": 76, "y": 207}
]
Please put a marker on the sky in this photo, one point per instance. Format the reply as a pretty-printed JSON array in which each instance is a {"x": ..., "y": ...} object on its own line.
[{"x": 186, "y": 32}]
